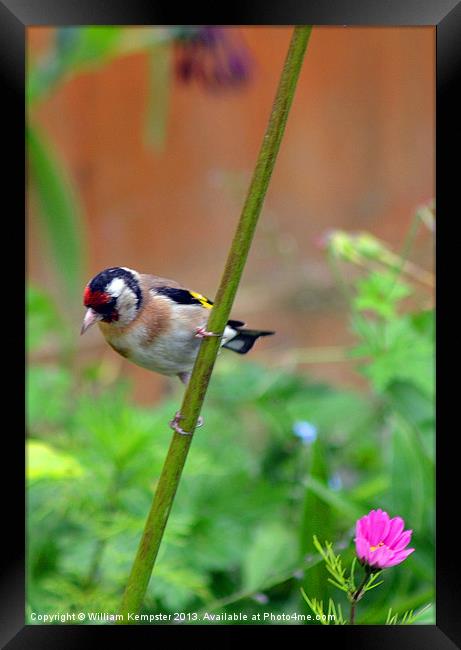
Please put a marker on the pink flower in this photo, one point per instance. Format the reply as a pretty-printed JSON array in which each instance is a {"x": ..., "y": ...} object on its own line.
[{"x": 380, "y": 541}]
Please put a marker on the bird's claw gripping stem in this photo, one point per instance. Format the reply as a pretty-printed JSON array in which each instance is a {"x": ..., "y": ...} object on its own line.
[
  {"x": 174, "y": 424},
  {"x": 202, "y": 333}
]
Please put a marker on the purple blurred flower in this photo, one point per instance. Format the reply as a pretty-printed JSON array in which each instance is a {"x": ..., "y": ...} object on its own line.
[
  {"x": 214, "y": 56},
  {"x": 261, "y": 598},
  {"x": 335, "y": 482},
  {"x": 380, "y": 541},
  {"x": 305, "y": 430}
]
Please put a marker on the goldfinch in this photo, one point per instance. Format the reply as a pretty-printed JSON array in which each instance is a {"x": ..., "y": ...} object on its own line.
[{"x": 156, "y": 323}]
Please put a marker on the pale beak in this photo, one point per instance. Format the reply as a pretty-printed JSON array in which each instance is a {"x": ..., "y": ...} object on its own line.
[{"x": 91, "y": 317}]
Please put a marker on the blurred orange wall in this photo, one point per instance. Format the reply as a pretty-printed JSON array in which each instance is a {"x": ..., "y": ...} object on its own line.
[{"x": 358, "y": 154}]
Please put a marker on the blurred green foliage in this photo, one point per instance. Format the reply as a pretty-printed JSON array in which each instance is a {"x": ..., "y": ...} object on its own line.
[{"x": 254, "y": 492}]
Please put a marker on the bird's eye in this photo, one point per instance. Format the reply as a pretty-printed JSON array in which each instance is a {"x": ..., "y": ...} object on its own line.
[{"x": 106, "y": 308}]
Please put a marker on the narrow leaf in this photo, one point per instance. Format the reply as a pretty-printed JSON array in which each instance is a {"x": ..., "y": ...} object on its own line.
[{"x": 59, "y": 210}]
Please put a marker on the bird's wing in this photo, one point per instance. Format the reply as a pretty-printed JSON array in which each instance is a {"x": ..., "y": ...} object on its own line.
[{"x": 181, "y": 296}]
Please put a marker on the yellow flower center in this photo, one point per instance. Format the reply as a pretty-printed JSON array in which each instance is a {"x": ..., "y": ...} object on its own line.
[{"x": 373, "y": 548}]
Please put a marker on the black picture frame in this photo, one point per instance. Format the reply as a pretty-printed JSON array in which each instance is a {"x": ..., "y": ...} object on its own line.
[{"x": 15, "y": 17}]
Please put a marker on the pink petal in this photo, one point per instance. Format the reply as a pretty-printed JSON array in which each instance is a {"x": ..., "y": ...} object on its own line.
[
  {"x": 380, "y": 557},
  {"x": 399, "y": 557},
  {"x": 362, "y": 547},
  {"x": 371, "y": 525},
  {"x": 362, "y": 527},
  {"x": 396, "y": 525},
  {"x": 402, "y": 541},
  {"x": 379, "y": 527},
  {"x": 385, "y": 524}
]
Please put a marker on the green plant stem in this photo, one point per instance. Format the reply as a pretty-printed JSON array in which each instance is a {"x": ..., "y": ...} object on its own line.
[
  {"x": 195, "y": 393},
  {"x": 357, "y": 595}
]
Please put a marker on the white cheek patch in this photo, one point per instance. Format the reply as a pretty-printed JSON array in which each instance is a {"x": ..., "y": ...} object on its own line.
[
  {"x": 127, "y": 300},
  {"x": 116, "y": 287},
  {"x": 127, "y": 306}
]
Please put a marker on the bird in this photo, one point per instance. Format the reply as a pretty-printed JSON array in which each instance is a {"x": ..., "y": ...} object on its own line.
[{"x": 156, "y": 323}]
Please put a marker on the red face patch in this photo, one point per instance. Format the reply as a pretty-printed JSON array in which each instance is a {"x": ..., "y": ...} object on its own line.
[{"x": 95, "y": 298}]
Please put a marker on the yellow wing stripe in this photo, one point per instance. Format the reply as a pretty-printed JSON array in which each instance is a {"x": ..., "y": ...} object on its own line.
[{"x": 202, "y": 300}]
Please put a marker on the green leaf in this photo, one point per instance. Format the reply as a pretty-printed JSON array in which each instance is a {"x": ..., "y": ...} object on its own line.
[
  {"x": 404, "y": 354},
  {"x": 371, "y": 584},
  {"x": 425, "y": 616},
  {"x": 81, "y": 48},
  {"x": 411, "y": 403},
  {"x": 317, "y": 516},
  {"x": 44, "y": 461},
  {"x": 371, "y": 333},
  {"x": 367, "y": 491},
  {"x": 75, "y": 48},
  {"x": 379, "y": 293},
  {"x": 316, "y": 519},
  {"x": 43, "y": 320},
  {"x": 331, "y": 412},
  {"x": 349, "y": 509},
  {"x": 412, "y": 480},
  {"x": 333, "y": 564},
  {"x": 177, "y": 585},
  {"x": 334, "y": 613},
  {"x": 90, "y": 45},
  {"x": 119, "y": 434},
  {"x": 49, "y": 398},
  {"x": 273, "y": 550},
  {"x": 59, "y": 211}
]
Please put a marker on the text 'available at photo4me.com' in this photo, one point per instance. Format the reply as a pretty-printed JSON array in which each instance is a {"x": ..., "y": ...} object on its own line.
[{"x": 101, "y": 618}]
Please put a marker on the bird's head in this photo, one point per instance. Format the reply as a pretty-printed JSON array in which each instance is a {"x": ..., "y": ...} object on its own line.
[{"x": 113, "y": 296}]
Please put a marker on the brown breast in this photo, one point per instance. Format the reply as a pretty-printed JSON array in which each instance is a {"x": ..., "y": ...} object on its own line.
[{"x": 152, "y": 320}]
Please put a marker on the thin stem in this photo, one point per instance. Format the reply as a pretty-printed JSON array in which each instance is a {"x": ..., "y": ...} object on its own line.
[
  {"x": 402, "y": 262},
  {"x": 357, "y": 595},
  {"x": 195, "y": 393},
  {"x": 352, "y": 616}
]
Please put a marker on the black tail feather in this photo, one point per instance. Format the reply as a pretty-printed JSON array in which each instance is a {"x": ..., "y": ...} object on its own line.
[{"x": 244, "y": 340}]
